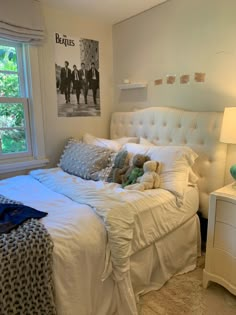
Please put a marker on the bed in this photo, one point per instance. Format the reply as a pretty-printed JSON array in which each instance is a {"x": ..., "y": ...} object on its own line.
[{"x": 90, "y": 276}]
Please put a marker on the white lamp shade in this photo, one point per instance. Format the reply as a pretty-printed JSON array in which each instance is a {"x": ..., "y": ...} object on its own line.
[{"x": 228, "y": 129}]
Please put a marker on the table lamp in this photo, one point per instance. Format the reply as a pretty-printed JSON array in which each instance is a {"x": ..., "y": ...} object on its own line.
[{"x": 228, "y": 133}]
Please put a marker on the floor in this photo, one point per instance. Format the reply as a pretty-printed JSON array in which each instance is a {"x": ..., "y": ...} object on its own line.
[{"x": 184, "y": 294}]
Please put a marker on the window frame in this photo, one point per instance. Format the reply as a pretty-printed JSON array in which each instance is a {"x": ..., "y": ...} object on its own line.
[
  {"x": 20, "y": 64},
  {"x": 30, "y": 89},
  {"x": 21, "y": 98}
]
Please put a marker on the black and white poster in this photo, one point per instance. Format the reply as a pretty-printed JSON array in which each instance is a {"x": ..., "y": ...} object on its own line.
[{"x": 77, "y": 76}]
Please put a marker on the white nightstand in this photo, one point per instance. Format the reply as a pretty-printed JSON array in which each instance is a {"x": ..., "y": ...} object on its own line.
[{"x": 220, "y": 264}]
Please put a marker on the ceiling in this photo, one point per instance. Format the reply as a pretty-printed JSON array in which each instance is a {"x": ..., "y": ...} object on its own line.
[{"x": 110, "y": 11}]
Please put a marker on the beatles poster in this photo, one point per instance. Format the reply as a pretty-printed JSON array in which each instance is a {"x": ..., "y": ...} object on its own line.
[{"x": 77, "y": 76}]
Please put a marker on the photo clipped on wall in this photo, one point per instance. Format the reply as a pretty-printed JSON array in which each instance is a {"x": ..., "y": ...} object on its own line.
[{"x": 77, "y": 76}]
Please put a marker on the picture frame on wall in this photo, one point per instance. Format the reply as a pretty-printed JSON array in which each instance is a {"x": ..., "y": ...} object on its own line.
[{"x": 77, "y": 76}]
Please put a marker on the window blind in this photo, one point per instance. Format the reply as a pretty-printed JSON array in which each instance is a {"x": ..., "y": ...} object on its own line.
[{"x": 21, "y": 21}]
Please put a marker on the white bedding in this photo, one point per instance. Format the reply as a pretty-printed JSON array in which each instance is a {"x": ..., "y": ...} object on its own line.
[{"x": 80, "y": 242}]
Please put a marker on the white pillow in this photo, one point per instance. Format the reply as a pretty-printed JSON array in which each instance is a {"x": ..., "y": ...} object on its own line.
[
  {"x": 175, "y": 164},
  {"x": 192, "y": 179},
  {"x": 114, "y": 145},
  {"x": 125, "y": 140},
  {"x": 146, "y": 142}
]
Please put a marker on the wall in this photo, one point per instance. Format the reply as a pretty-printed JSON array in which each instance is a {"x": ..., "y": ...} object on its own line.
[
  {"x": 56, "y": 129},
  {"x": 178, "y": 37}
]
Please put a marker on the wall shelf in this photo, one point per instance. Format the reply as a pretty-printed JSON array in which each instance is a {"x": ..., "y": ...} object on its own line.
[{"x": 128, "y": 86}]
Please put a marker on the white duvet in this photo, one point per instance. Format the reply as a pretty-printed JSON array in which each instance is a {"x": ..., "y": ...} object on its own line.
[
  {"x": 132, "y": 219},
  {"x": 79, "y": 241}
]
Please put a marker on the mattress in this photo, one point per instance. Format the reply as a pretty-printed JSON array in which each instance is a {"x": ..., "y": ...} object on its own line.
[{"x": 80, "y": 239}]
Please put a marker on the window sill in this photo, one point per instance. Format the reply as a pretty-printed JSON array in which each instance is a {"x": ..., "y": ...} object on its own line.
[{"x": 23, "y": 165}]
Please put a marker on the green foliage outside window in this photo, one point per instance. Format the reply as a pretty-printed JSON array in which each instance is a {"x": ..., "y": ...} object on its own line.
[
  {"x": 11, "y": 114},
  {"x": 9, "y": 85},
  {"x": 8, "y": 59}
]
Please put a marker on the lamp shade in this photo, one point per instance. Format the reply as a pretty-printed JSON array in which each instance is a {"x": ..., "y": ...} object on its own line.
[{"x": 228, "y": 129}]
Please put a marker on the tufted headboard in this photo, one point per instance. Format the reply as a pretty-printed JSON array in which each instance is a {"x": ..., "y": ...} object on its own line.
[{"x": 169, "y": 126}]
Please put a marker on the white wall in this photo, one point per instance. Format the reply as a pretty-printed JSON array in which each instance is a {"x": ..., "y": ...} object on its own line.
[
  {"x": 58, "y": 129},
  {"x": 178, "y": 37}
]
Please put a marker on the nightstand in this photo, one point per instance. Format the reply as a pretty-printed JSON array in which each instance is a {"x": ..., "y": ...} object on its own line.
[{"x": 220, "y": 264}]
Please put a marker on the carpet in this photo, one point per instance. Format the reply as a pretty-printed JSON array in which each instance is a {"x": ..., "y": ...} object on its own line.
[{"x": 184, "y": 294}]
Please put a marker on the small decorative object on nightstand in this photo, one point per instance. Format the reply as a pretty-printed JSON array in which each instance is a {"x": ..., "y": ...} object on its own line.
[{"x": 221, "y": 239}]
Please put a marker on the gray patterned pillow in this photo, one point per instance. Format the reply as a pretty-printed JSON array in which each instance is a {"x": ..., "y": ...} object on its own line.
[
  {"x": 84, "y": 160},
  {"x": 105, "y": 172}
]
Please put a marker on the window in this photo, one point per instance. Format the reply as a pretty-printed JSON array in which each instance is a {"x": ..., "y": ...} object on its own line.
[
  {"x": 15, "y": 137},
  {"x": 21, "y": 132}
]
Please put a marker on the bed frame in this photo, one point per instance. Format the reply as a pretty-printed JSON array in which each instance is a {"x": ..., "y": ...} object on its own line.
[{"x": 169, "y": 126}]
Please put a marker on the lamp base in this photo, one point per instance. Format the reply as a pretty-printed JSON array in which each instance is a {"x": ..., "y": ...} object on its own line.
[
  {"x": 233, "y": 174},
  {"x": 234, "y": 185}
]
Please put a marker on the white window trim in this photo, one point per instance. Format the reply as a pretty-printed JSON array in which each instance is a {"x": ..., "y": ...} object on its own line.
[
  {"x": 22, "y": 165},
  {"x": 38, "y": 158}
]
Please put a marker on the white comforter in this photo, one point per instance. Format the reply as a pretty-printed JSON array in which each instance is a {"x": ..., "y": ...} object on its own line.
[
  {"x": 79, "y": 241},
  {"x": 132, "y": 219},
  {"x": 120, "y": 210}
]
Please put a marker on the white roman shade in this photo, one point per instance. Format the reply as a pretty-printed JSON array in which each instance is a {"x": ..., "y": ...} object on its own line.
[{"x": 21, "y": 20}]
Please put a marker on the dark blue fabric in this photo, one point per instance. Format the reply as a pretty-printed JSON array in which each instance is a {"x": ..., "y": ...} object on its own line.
[{"x": 12, "y": 215}]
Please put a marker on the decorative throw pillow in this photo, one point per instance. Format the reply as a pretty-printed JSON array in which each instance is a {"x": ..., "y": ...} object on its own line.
[
  {"x": 84, "y": 160},
  {"x": 119, "y": 167},
  {"x": 104, "y": 173}
]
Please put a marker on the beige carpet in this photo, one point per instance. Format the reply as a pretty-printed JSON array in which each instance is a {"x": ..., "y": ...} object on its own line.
[{"x": 184, "y": 294}]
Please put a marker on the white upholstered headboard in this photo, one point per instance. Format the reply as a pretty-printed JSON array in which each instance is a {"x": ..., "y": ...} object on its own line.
[{"x": 169, "y": 126}]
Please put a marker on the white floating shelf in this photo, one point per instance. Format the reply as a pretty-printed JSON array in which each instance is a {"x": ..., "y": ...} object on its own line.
[{"x": 127, "y": 86}]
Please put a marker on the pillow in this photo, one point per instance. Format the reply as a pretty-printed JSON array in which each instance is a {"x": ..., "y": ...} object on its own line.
[
  {"x": 84, "y": 160},
  {"x": 119, "y": 167},
  {"x": 104, "y": 173},
  {"x": 145, "y": 141},
  {"x": 125, "y": 140},
  {"x": 175, "y": 164},
  {"x": 192, "y": 179},
  {"x": 114, "y": 145}
]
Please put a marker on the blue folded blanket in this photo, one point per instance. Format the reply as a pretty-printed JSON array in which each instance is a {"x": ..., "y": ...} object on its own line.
[{"x": 12, "y": 215}]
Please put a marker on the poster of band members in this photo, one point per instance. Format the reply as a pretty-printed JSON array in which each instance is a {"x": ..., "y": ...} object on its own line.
[{"x": 77, "y": 76}]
